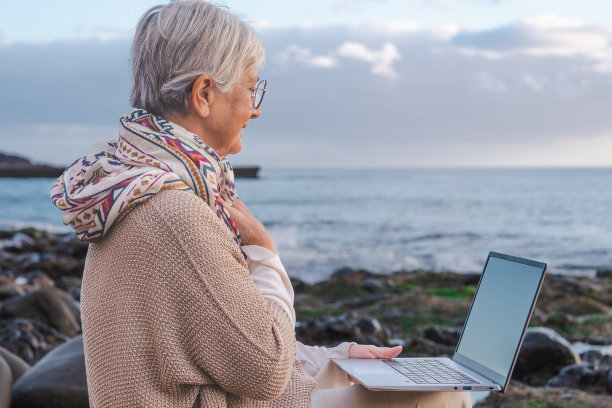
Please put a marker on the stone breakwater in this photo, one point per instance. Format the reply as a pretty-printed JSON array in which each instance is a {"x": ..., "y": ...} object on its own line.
[{"x": 41, "y": 349}]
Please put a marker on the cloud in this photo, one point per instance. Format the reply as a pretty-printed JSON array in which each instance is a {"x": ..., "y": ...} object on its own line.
[
  {"x": 551, "y": 21},
  {"x": 543, "y": 36},
  {"x": 305, "y": 56},
  {"x": 400, "y": 27},
  {"x": 330, "y": 103},
  {"x": 381, "y": 60},
  {"x": 532, "y": 83},
  {"x": 487, "y": 82}
]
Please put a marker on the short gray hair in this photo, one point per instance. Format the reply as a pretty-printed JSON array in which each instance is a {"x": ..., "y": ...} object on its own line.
[{"x": 175, "y": 43}]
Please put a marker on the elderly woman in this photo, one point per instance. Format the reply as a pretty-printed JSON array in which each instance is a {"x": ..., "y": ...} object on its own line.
[{"x": 184, "y": 301}]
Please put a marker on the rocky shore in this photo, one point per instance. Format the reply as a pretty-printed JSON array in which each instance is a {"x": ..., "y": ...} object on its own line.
[
  {"x": 41, "y": 352},
  {"x": 20, "y": 167}
]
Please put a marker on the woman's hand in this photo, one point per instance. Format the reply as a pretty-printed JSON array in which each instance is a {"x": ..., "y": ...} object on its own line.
[
  {"x": 369, "y": 351},
  {"x": 252, "y": 232}
]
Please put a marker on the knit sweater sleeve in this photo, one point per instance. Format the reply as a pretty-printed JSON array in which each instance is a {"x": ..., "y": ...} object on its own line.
[
  {"x": 250, "y": 350},
  {"x": 202, "y": 316}
]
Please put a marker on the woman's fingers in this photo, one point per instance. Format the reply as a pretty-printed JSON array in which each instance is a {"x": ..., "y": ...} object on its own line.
[
  {"x": 238, "y": 204},
  {"x": 369, "y": 351},
  {"x": 251, "y": 230}
]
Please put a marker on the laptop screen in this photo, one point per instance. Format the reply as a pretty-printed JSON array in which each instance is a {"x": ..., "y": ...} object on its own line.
[{"x": 499, "y": 314}]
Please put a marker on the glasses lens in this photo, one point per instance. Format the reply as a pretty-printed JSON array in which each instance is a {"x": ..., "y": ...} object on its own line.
[{"x": 260, "y": 90}]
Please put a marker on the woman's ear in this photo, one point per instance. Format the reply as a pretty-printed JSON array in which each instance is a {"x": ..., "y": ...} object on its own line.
[{"x": 201, "y": 95}]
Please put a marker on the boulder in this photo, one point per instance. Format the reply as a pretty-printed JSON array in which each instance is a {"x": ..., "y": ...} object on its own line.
[
  {"x": 447, "y": 337},
  {"x": 371, "y": 326},
  {"x": 595, "y": 358},
  {"x": 9, "y": 291},
  {"x": 29, "y": 340},
  {"x": 17, "y": 365},
  {"x": 57, "y": 380},
  {"x": 6, "y": 382},
  {"x": 70, "y": 285},
  {"x": 543, "y": 354},
  {"x": 49, "y": 306},
  {"x": 573, "y": 376},
  {"x": 334, "y": 330}
]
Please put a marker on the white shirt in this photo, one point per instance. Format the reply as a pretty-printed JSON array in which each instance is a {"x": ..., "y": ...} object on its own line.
[{"x": 270, "y": 277}]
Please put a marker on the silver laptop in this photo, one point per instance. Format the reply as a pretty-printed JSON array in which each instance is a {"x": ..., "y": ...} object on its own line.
[{"x": 488, "y": 347}]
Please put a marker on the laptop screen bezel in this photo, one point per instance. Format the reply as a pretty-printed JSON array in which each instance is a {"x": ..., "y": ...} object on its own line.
[{"x": 501, "y": 380}]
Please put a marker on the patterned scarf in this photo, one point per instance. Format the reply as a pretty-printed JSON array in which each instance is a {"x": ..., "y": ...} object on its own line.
[{"x": 151, "y": 155}]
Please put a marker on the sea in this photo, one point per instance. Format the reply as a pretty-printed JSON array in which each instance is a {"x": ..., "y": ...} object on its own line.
[{"x": 385, "y": 220}]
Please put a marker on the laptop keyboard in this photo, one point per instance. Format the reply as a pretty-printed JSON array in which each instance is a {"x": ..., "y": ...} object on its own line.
[{"x": 429, "y": 372}]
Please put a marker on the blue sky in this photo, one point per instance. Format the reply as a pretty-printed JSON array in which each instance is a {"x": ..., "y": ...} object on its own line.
[{"x": 352, "y": 83}]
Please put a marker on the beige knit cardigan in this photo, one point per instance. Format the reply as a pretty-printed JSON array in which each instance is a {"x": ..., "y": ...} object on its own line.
[{"x": 172, "y": 319}]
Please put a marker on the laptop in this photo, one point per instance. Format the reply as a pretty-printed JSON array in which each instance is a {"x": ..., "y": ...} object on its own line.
[{"x": 488, "y": 346}]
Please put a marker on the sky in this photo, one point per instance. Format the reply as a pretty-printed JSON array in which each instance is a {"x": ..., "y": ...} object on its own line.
[{"x": 351, "y": 83}]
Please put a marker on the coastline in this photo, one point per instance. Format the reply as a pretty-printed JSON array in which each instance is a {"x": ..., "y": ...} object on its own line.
[
  {"x": 12, "y": 166},
  {"x": 420, "y": 310}
]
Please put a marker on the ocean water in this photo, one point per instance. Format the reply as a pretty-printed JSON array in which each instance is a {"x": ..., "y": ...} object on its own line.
[{"x": 390, "y": 219}]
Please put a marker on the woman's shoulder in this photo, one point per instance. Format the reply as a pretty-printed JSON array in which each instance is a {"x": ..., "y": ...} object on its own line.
[
  {"x": 174, "y": 206},
  {"x": 171, "y": 212}
]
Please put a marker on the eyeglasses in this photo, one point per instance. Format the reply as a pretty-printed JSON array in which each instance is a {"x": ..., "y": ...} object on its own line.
[{"x": 257, "y": 92}]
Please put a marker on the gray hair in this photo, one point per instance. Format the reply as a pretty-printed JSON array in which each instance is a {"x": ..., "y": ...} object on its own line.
[{"x": 177, "y": 42}]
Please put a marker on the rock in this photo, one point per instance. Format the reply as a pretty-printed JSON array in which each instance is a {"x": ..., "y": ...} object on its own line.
[
  {"x": 348, "y": 327},
  {"x": 582, "y": 375},
  {"x": 429, "y": 348},
  {"x": 346, "y": 271},
  {"x": 49, "y": 306},
  {"x": 543, "y": 354},
  {"x": 610, "y": 381},
  {"x": 396, "y": 342},
  {"x": 573, "y": 376},
  {"x": 29, "y": 340},
  {"x": 393, "y": 314},
  {"x": 6, "y": 383},
  {"x": 70, "y": 285},
  {"x": 604, "y": 274},
  {"x": 595, "y": 358},
  {"x": 370, "y": 326},
  {"x": 374, "y": 284},
  {"x": 18, "y": 242},
  {"x": 29, "y": 258},
  {"x": 448, "y": 337},
  {"x": 58, "y": 380},
  {"x": 7, "y": 292},
  {"x": 577, "y": 306},
  {"x": 17, "y": 365},
  {"x": 522, "y": 396},
  {"x": 39, "y": 280}
]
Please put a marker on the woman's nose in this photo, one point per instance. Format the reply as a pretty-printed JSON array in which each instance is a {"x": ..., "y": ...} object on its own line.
[{"x": 255, "y": 113}]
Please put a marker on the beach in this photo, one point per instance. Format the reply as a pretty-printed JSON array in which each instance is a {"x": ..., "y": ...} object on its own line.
[
  {"x": 385, "y": 256},
  {"x": 421, "y": 310}
]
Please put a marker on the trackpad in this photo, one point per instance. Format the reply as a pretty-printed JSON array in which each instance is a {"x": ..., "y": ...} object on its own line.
[{"x": 372, "y": 372}]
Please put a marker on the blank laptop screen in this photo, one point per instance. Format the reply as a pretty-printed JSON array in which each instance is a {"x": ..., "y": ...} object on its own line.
[{"x": 499, "y": 313}]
